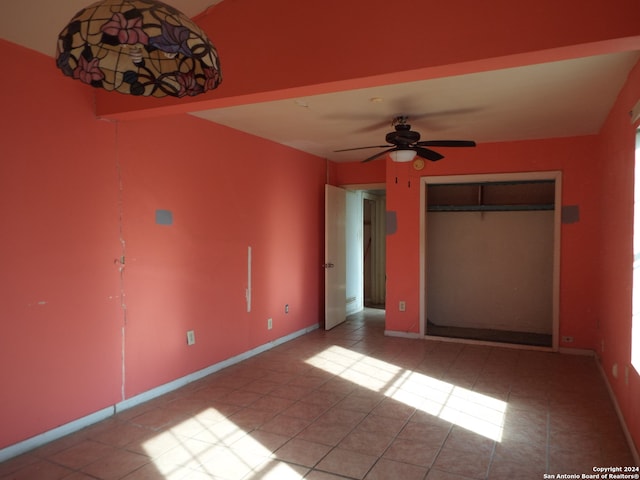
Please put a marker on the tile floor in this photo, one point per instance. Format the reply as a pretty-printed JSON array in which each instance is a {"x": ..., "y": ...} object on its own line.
[{"x": 352, "y": 403}]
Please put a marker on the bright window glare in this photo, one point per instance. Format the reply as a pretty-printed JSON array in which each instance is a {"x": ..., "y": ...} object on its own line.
[
  {"x": 208, "y": 452},
  {"x": 635, "y": 302},
  {"x": 471, "y": 410}
]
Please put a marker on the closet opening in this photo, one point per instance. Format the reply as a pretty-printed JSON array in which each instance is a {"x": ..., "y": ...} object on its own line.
[{"x": 491, "y": 256}]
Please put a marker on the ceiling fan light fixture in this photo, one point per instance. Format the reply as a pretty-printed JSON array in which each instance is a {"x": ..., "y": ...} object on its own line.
[
  {"x": 402, "y": 156},
  {"x": 138, "y": 47}
]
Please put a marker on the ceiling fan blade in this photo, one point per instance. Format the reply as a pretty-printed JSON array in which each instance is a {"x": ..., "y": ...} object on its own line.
[
  {"x": 428, "y": 154},
  {"x": 379, "y": 154},
  {"x": 447, "y": 143},
  {"x": 361, "y": 148}
]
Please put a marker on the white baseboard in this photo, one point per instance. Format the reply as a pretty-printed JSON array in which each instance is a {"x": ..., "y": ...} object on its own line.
[
  {"x": 623, "y": 424},
  {"x": 192, "y": 377},
  {"x": 54, "y": 434},
  {"x": 577, "y": 351},
  {"x": 394, "y": 333},
  {"x": 75, "y": 425}
]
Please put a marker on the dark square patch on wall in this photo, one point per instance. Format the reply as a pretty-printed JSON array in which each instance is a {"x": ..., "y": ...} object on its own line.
[
  {"x": 164, "y": 217},
  {"x": 570, "y": 214},
  {"x": 391, "y": 222}
]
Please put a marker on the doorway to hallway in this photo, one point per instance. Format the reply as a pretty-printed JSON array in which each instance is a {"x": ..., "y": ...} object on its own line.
[
  {"x": 365, "y": 247},
  {"x": 355, "y": 251},
  {"x": 373, "y": 243}
]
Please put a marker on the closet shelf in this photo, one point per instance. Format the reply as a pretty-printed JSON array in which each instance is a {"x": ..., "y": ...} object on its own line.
[{"x": 489, "y": 208}]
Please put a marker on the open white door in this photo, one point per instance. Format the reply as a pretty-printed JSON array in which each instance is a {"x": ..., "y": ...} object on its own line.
[{"x": 335, "y": 272}]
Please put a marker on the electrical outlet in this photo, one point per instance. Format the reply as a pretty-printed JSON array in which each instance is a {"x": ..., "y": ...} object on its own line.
[
  {"x": 269, "y": 323},
  {"x": 402, "y": 306},
  {"x": 567, "y": 339},
  {"x": 191, "y": 337},
  {"x": 286, "y": 308}
]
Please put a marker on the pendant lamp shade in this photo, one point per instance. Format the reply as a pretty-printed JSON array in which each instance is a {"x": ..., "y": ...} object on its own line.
[{"x": 138, "y": 47}]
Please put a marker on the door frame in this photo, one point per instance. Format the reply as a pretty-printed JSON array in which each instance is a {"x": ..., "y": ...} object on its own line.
[
  {"x": 554, "y": 175},
  {"x": 364, "y": 187}
]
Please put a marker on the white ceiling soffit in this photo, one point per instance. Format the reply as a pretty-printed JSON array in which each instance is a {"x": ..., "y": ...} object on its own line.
[{"x": 559, "y": 99}]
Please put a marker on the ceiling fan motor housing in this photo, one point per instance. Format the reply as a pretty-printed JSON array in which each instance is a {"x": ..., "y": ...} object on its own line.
[{"x": 403, "y": 136}]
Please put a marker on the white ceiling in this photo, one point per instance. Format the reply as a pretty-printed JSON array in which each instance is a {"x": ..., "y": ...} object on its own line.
[{"x": 559, "y": 99}]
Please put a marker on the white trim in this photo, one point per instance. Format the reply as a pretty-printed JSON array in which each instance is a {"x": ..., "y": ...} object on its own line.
[
  {"x": 394, "y": 333},
  {"x": 577, "y": 351},
  {"x": 248, "y": 290},
  {"x": 83, "y": 422},
  {"x": 54, "y": 434},
  {"x": 422, "y": 255},
  {"x": 625, "y": 430},
  {"x": 192, "y": 377}
]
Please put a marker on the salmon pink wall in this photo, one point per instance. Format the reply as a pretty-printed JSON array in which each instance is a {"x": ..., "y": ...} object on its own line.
[
  {"x": 616, "y": 152},
  {"x": 576, "y": 159},
  {"x": 79, "y": 193},
  {"x": 227, "y": 191},
  {"x": 357, "y": 172},
  {"x": 60, "y": 319}
]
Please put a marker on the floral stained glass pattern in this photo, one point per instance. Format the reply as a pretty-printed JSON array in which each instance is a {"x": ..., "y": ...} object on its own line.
[{"x": 138, "y": 47}]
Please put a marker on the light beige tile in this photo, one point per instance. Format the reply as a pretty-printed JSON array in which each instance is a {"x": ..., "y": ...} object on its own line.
[
  {"x": 116, "y": 465},
  {"x": 416, "y": 452},
  {"x": 82, "y": 454},
  {"x": 302, "y": 452},
  {"x": 365, "y": 442},
  {"x": 508, "y": 470},
  {"x": 40, "y": 469},
  {"x": 347, "y": 463},
  {"x": 276, "y": 470},
  {"x": 305, "y": 410},
  {"x": 285, "y": 425},
  {"x": 474, "y": 465},
  {"x": 432, "y": 434},
  {"x": 386, "y": 469},
  {"x": 326, "y": 434},
  {"x": 260, "y": 442},
  {"x": 465, "y": 440},
  {"x": 317, "y": 475}
]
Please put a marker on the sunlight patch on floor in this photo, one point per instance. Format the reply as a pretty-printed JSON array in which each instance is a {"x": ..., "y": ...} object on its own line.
[
  {"x": 471, "y": 410},
  {"x": 209, "y": 444},
  {"x": 215, "y": 447}
]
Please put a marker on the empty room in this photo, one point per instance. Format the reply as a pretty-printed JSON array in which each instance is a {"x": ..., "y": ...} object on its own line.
[{"x": 251, "y": 239}]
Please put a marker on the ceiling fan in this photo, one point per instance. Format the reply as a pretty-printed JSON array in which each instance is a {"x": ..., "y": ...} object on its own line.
[{"x": 404, "y": 144}]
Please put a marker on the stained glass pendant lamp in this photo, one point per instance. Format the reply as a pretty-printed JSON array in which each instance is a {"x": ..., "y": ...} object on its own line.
[{"x": 138, "y": 47}]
